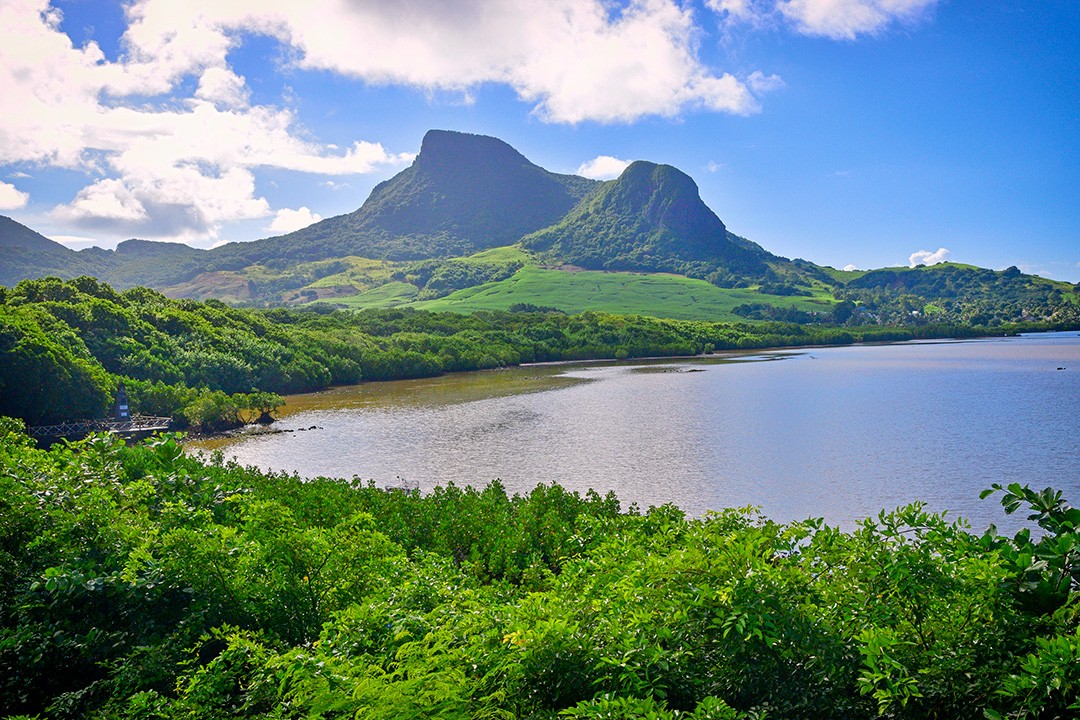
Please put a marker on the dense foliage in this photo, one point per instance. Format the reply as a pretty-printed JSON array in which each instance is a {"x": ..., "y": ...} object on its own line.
[
  {"x": 139, "y": 582},
  {"x": 962, "y": 294},
  {"x": 437, "y": 278},
  {"x": 65, "y": 345}
]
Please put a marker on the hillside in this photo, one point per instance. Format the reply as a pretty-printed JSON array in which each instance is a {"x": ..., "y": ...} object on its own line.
[
  {"x": 462, "y": 194},
  {"x": 651, "y": 218},
  {"x": 474, "y": 224},
  {"x": 622, "y": 293},
  {"x": 25, "y": 253}
]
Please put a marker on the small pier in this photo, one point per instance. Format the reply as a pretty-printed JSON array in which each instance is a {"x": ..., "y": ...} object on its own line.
[
  {"x": 81, "y": 428},
  {"x": 122, "y": 423}
]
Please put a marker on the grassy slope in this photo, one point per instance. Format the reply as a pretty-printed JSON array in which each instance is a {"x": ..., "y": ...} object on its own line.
[
  {"x": 362, "y": 274},
  {"x": 669, "y": 296},
  {"x": 392, "y": 294},
  {"x": 842, "y": 276}
]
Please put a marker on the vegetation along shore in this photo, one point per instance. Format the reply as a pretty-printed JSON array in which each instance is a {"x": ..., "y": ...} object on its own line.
[
  {"x": 140, "y": 582},
  {"x": 66, "y": 345}
]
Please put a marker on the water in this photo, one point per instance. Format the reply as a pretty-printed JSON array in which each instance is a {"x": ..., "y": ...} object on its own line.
[{"x": 838, "y": 433}]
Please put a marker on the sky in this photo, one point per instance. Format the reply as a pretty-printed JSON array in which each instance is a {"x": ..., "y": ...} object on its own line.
[{"x": 852, "y": 133}]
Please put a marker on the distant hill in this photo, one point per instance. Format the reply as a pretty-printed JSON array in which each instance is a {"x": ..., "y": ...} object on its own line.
[
  {"x": 14, "y": 234},
  {"x": 651, "y": 218},
  {"x": 25, "y": 253}
]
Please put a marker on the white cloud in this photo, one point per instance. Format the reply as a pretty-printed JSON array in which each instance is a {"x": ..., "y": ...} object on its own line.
[
  {"x": 574, "y": 60},
  {"x": 925, "y": 257},
  {"x": 222, "y": 86},
  {"x": 713, "y": 166},
  {"x": 12, "y": 197},
  {"x": 849, "y": 267},
  {"x": 171, "y": 137},
  {"x": 761, "y": 83},
  {"x": 846, "y": 19},
  {"x": 286, "y": 220},
  {"x": 603, "y": 167},
  {"x": 755, "y": 12},
  {"x": 167, "y": 167},
  {"x": 836, "y": 19}
]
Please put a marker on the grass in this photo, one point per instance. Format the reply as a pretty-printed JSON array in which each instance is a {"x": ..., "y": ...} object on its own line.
[
  {"x": 668, "y": 296},
  {"x": 498, "y": 255},
  {"x": 362, "y": 274},
  {"x": 392, "y": 294},
  {"x": 842, "y": 276}
]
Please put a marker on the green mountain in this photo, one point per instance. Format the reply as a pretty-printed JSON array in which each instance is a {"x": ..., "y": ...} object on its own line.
[
  {"x": 463, "y": 193},
  {"x": 473, "y": 224},
  {"x": 14, "y": 234},
  {"x": 651, "y": 218},
  {"x": 25, "y": 253}
]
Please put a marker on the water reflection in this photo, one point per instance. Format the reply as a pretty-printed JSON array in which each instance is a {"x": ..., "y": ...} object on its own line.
[{"x": 832, "y": 432}]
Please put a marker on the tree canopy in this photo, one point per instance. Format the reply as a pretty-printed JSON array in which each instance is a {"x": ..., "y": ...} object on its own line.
[{"x": 139, "y": 582}]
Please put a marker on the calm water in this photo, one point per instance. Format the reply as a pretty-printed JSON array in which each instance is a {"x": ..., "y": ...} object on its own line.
[{"x": 838, "y": 433}]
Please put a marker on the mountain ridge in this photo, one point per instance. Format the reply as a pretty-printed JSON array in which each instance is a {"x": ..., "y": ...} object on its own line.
[
  {"x": 430, "y": 231},
  {"x": 462, "y": 194}
]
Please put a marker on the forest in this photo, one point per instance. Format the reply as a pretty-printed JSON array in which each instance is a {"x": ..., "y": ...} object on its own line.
[
  {"x": 141, "y": 582},
  {"x": 66, "y": 345}
]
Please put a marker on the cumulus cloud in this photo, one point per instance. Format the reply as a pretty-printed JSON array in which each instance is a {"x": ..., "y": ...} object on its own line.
[
  {"x": 925, "y": 257},
  {"x": 849, "y": 267},
  {"x": 836, "y": 19},
  {"x": 12, "y": 197},
  {"x": 286, "y": 220},
  {"x": 222, "y": 86},
  {"x": 169, "y": 132},
  {"x": 603, "y": 167},
  {"x": 574, "y": 60},
  {"x": 167, "y": 164}
]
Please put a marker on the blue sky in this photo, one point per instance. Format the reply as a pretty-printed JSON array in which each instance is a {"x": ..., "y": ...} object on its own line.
[{"x": 859, "y": 133}]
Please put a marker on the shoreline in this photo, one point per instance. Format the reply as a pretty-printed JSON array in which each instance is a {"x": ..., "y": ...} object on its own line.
[{"x": 716, "y": 354}]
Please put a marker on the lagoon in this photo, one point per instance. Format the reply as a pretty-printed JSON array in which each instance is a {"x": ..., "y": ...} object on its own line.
[{"x": 838, "y": 433}]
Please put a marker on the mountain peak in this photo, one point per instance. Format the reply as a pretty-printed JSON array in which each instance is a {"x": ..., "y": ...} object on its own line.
[
  {"x": 463, "y": 193},
  {"x": 666, "y": 196},
  {"x": 651, "y": 217},
  {"x": 453, "y": 151}
]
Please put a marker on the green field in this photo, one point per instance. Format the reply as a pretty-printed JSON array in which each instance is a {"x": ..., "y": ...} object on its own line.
[
  {"x": 621, "y": 293},
  {"x": 361, "y": 273},
  {"x": 392, "y": 294}
]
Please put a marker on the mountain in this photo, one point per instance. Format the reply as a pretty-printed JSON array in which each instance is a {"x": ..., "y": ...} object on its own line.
[
  {"x": 25, "y": 253},
  {"x": 651, "y": 218},
  {"x": 463, "y": 193},
  {"x": 472, "y": 223},
  {"x": 15, "y": 234}
]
